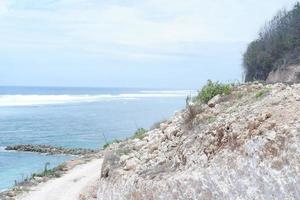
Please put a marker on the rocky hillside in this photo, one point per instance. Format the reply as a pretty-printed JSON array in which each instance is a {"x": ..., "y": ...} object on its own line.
[
  {"x": 245, "y": 145},
  {"x": 287, "y": 74}
]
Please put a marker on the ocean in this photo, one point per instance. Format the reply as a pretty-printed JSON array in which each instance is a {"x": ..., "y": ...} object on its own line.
[{"x": 73, "y": 117}]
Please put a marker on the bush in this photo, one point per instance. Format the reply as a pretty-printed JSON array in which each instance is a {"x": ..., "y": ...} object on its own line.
[
  {"x": 278, "y": 45},
  {"x": 139, "y": 133},
  {"x": 212, "y": 89},
  {"x": 107, "y": 144},
  {"x": 48, "y": 172},
  {"x": 262, "y": 93}
]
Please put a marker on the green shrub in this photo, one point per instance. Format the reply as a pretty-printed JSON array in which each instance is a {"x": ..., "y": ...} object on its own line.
[
  {"x": 212, "y": 89},
  {"x": 46, "y": 172},
  {"x": 211, "y": 119},
  {"x": 262, "y": 93},
  {"x": 139, "y": 133},
  {"x": 123, "y": 151},
  {"x": 239, "y": 95},
  {"x": 107, "y": 144}
]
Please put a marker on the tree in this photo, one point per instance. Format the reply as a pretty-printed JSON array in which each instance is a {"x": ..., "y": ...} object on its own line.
[{"x": 278, "y": 45}]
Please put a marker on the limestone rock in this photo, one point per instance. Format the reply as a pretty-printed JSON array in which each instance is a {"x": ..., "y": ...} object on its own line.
[
  {"x": 243, "y": 148},
  {"x": 286, "y": 74},
  {"x": 131, "y": 164},
  {"x": 123, "y": 158},
  {"x": 214, "y": 101},
  {"x": 110, "y": 162},
  {"x": 11, "y": 194}
]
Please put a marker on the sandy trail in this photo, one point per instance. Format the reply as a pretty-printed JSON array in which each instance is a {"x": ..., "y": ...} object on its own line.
[{"x": 69, "y": 186}]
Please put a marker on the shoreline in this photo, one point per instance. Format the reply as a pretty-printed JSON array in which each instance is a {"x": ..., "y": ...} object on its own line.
[
  {"x": 82, "y": 157},
  {"x": 81, "y": 183}
]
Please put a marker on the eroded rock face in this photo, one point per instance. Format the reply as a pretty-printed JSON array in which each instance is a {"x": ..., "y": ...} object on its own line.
[
  {"x": 110, "y": 162},
  {"x": 289, "y": 74},
  {"x": 246, "y": 147}
]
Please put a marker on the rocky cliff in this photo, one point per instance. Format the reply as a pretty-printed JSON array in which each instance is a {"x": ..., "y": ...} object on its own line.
[
  {"x": 286, "y": 74},
  {"x": 245, "y": 145}
]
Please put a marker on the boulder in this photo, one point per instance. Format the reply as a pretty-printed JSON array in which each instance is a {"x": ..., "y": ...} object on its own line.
[
  {"x": 131, "y": 164},
  {"x": 110, "y": 162},
  {"x": 214, "y": 101},
  {"x": 11, "y": 193}
]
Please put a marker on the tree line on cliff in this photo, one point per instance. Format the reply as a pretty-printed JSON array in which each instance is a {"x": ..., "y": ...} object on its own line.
[{"x": 278, "y": 45}]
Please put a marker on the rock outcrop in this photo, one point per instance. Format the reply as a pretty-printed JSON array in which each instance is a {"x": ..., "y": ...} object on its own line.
[
  {"x": 286, "y": 74},
  {"x": 47, "y": 149},
  {"x": 246, "y": 146}
]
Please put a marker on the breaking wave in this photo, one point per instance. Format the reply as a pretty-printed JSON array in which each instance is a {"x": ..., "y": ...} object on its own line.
[{"x": 30, "y": 100}]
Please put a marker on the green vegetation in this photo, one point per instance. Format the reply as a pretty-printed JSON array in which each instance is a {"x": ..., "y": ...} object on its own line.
[
  {"x": 211, "y": 119},
  {"x": 212, "y": 89},
  {"x": 48, "y": 172},
  {"x": 123, "y": 151},
  {"x": 262, "y": 93},
  {"x": 55, "y": 172},
  {"x": 106, "y": 145},
  {"x": 139, "y": 134},
  {"x": 278, "y": 45},
  {"x": 239, "y": 95}
]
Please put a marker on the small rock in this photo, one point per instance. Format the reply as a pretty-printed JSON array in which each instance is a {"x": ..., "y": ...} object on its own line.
[
  {"x": 268, "y": 115},
  {"x": 131, "y": 164},
  {"x": 153, "y": 147},
  {"x": 277, "y": 165},
  {"x": 215, "y": 100},
  {"x": 253, "y": 125},
  {"x": 11, "y": 194},
  {"x": 139, "y": 145},
  {"x": 271, "y": 135},
  {"x": 163, "y": 126},
  {"x": 123, "y": 158},
  {"x": 38, "y": 179},
  {"x": 171, "y": 131},
  {"x": 271, "y": 125}
]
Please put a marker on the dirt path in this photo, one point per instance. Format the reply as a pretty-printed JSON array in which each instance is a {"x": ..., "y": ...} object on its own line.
[{"x": 69, "y": 186}]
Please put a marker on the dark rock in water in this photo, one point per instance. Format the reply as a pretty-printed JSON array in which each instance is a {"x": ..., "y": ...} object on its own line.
[{"x": 50, "y": 149}]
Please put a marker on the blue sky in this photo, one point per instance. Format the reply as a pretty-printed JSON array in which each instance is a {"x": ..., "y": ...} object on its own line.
[{"x": 127, "y": 43}]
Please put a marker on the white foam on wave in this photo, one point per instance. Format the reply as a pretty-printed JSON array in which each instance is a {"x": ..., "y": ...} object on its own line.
[
  {"x": 178, "y": 92},
  {"x": 30, "y": 100}
]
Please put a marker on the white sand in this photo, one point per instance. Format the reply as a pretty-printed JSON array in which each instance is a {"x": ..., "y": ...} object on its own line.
[{"x": 69, "y": 186}]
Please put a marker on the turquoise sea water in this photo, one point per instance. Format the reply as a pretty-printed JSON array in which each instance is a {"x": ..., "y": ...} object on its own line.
[{"x": 73, "y": 117}]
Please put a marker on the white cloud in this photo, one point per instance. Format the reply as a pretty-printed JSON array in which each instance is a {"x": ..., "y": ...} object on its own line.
[
  {"x": 137, "y": 29},
  {"x": 3, "y": 7}
]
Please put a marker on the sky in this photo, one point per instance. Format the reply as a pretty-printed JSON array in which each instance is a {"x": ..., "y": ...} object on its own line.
[{"x": 176, "y": 44}]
